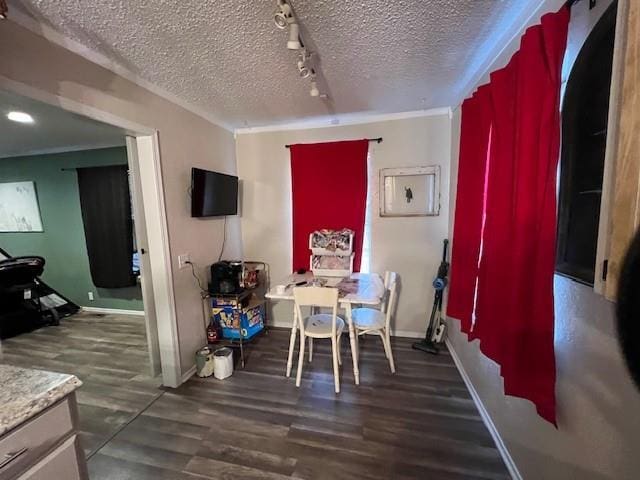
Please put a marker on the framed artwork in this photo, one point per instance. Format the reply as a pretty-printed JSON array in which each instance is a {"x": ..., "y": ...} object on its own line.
[
  {"x": 19, "y": 210},
  {"x": 410, "y": 191}
]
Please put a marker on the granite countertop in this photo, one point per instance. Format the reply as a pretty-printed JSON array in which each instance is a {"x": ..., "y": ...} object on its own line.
[{"x": 26, "y": 392}]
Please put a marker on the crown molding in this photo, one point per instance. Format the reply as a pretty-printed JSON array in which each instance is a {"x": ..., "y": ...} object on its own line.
[
  {"x": 344, "y": 119},
  {"x": 70, "y": 148},
  {"x": 94, "y": 57}
]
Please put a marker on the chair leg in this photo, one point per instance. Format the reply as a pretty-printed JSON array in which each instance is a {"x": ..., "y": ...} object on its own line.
[
  {"x": 292, "y": 342},
  {"x": 340, "y": 349},
  {"x": 386, "y": 341},
  {"x": 357, "y": 343},
  {"x": 300, "y": 360},
  {"x": 310, "y": 349},
  {"x": 384, "y": 345},
  {"x": 336, "y": 371}
]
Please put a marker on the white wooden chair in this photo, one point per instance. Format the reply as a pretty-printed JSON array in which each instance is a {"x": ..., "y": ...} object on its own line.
[
  {"x": 378, "y": 322},
  {"x": 321, "y": 325}
]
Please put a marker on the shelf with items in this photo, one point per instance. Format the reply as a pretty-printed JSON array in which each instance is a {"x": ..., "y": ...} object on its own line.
[
  {"x": 331, "y": 252},
  {"x": 236, "y": 319}
]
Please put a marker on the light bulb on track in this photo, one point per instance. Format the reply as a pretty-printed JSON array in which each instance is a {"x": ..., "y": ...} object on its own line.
[
  {"x": 294, "y": 37},
  {"x": 314, "y": 92}
]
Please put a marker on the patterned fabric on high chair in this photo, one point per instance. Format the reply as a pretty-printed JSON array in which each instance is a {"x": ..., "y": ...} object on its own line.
[
  {"x": 378, "y": 322},
  {"x": 322, "y": 325}
]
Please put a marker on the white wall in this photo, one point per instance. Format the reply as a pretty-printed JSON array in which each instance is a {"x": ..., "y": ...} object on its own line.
[
  {"x": 410, "y": 246},
  {"x": 186, "y": 140},
  {"x": 598, "y": 424}
]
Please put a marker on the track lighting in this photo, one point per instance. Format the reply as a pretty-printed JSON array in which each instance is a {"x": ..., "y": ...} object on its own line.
[
  {"x": 285, "y": 17},
  {"x": 303, "y": 69},
  {"x": 282, "y": 15},
  {"x": 3, "y": 9},
  {"x": 294, "y": 37},
  {"x": 314, "y": 89}
]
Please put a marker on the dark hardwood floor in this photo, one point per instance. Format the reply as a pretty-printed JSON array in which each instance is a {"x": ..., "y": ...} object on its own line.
[
  {"x": 419, "y": 423},
  {"x": 108, "y": 353}
]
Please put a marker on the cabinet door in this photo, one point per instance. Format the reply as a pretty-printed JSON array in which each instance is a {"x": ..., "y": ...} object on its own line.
[
  {"x": 63, "y": 463},
  {"x": 625, "y": 209}
]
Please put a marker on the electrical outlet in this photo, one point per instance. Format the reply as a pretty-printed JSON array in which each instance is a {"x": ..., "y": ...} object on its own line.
[
  {"x": 90, "y": 295},
  {"x": 183, "y": 260}
]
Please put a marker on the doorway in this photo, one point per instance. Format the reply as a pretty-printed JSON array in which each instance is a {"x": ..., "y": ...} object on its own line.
[{"x": 111, "y": 341}]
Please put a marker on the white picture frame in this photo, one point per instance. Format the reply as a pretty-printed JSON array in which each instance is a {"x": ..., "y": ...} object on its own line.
[
  {"x": 410, "y": 191},
  {"x": 19, "y": 209}
]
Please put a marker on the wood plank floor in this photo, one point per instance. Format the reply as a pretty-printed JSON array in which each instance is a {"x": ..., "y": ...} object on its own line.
[
  {"x": 108, "y": 353},
  {"x": 419, "y": 423}
]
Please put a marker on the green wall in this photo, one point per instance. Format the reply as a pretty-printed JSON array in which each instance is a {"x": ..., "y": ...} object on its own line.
[{"x": 62, "y": 243}]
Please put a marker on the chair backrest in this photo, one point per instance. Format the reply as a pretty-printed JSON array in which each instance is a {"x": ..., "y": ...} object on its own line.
[
  {"x": 390, "y": 283},
  {"x": 316, "y": 297}
]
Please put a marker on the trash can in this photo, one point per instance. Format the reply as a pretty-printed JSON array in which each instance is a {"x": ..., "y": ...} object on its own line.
[
  {"x": 222, "y": 363},
  {"x": 204, "y": 362}
]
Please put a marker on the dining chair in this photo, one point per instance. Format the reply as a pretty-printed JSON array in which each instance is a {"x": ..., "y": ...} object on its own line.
[
  {"x": 378, "y": 322},
  {"x": 319, "y": 325}
]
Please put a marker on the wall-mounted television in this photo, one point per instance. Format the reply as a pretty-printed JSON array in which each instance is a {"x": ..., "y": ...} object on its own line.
[{"x": 213, "y": 194}]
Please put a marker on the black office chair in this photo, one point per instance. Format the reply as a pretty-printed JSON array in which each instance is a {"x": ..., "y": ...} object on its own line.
[{"x": 20, "y": 305}]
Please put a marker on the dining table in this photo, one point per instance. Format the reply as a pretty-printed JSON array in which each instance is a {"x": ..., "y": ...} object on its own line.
[{"x": 356, "y": 289}]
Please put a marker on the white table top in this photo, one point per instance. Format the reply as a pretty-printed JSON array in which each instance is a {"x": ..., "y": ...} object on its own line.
[{"x": 369, "y": 288}]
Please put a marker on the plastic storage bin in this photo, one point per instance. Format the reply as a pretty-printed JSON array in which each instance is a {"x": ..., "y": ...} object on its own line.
[
  {"x": 222, "y": 363},
  {"x": 331, "y": 265},
  {"x": 333, "y": 251}
]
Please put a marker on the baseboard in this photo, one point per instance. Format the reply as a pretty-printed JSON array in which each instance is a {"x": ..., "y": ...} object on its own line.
[
  {"x": 114, "y": 311},
  {"x": 188, "y": 374},
  {"x": 486, "y": 418},
  {"x": 407, "y": 334}
]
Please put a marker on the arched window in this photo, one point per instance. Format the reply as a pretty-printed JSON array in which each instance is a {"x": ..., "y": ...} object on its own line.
[{"x": 584, "y": 133}]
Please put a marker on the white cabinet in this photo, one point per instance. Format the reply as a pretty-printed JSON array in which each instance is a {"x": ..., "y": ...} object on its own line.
[{"x": 44, "y": 447}]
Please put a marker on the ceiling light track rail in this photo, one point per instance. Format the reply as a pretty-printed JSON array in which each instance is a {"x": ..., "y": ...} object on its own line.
[{"x": 285, "y": 18}]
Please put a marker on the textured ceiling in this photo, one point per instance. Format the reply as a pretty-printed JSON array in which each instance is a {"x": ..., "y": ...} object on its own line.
[
  {"x": 227, "y": 57},
  {"x": 53, "y": 130}
]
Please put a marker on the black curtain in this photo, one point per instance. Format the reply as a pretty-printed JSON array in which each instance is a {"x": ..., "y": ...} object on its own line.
[{"x": 106, "y": 213}]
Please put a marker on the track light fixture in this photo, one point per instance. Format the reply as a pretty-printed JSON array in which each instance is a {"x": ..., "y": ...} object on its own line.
[
  {"x": 294, "y": 37},
  {"x": 303, "y": 69},
  {"x": 3, "y": 9},
  {"x": 285, "y": 17},
  {"x": 314, "y": 92},
  {"x": 282, "y": 15}
]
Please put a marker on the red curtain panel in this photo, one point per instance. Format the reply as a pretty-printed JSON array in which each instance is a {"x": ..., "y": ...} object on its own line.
[
  {"x": 513, "y": 313},
  {"x": 469, "y": 212},
  {"x": 329, "y": 190}
]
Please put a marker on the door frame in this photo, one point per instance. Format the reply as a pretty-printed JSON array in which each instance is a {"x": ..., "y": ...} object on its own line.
[{"x": 161, "y": 320}]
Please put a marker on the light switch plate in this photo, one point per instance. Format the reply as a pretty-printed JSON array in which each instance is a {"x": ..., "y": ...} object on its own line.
[{"x": 183, "y": 260}]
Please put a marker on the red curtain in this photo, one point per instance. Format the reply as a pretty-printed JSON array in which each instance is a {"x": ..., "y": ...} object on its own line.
[
  {"x": 512, "y": 302},
  {"x": 329, "y": 190},
  {"x": 474, "y": 133}
]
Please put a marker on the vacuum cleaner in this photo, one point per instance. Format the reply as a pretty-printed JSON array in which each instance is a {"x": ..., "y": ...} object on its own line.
[{"x": 435, "y": 329}]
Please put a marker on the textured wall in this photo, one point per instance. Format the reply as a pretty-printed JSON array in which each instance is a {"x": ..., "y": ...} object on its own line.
[
  {"x": 62, "y": 243},
  {"x": 410, "y": 246},
  {"x": 186, "y": 140},
  {"x": 597, "y": 421}
]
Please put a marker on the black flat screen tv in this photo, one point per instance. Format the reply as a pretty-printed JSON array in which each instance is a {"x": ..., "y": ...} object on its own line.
[{"x": 213, "y": 194}]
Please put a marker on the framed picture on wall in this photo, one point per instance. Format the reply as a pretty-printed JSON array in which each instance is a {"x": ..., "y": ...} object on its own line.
[
  {"x": 410, "y": 191},
  {"x": 19, "y": 210}
]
